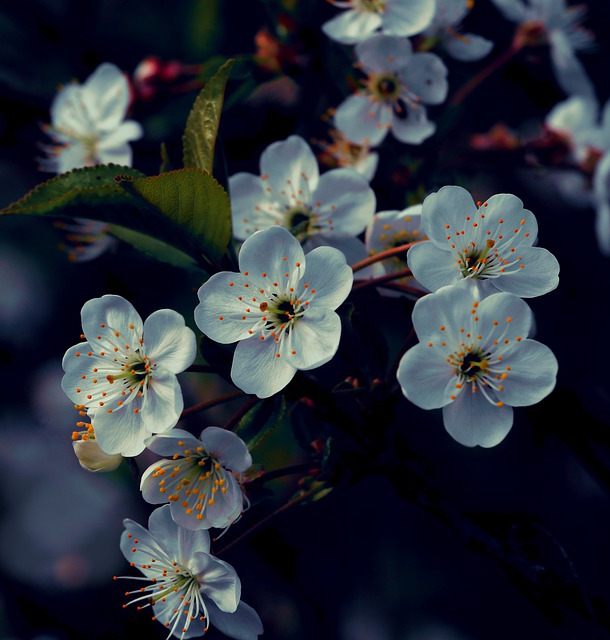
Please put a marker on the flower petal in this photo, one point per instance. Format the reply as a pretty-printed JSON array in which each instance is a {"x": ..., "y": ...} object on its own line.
[
  {"x": 251, "y": 206},
  {"x": 243, "y": 624},
  {"x": 121, "y": 431},
  {"x": 426, "y": 76},
  {"x": 162, "y": 403},
  {"x": 384, "y": 54},
  {"x": 472, "y": 420},
  {"x": 350, "y": 27},
  {"x": 362, "y": 120},
  {"x": 168, "y": 342},
  {"x": 467, "y": 47},
  {"x": 539, "y": 275},
  {"x": 414, "y": 127},
  {"x": 218, "y": 579},
  {"x": 432, "y": 267},
  {"x": 103, "y": 317},
  {"x": 313, "y": 340},
  {"x": 257, "y": 370},
  {"x": 106, "y": 96},
  {"x": 448, "y": 206},
  {"x": 346, "y": 202},
  {"x": 290, "y": 165},
  {"x": 227, "y": 447},
  {"x": 329, "y": 276},
  {"x": 407, "y": 17}
]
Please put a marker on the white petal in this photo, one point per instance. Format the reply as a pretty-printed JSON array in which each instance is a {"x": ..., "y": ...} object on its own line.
[
  {"x": 503, "y": 316},
  {"x": 467, "y": 47},
  {"x": 257, "y": 370},
  {"x": 533, "y": 370},
  {"x": 227, "y": 447},
  {"x": 121, "y": 431},
  {"x": 219, "y": 581},
  {"x": 121, "y": 154},
  {"x": 125, "y": 132},
  {"x": 569, "y": 71},
  {"x": 347, "y": 202},
  {"x": 407, "y": 17},
  {"x": 106, "y": 96},
  {"x": 448, "y": 206},
  {"x": 243, "y": 624},
  {"x": 220, "y": 311},
  {"x": 168, "y": 342},
  {"x": 271, "y": 251},
  {"x": 162, "y": 404},
  {"x": 513, "y": 10},
  {"x": 449, "y": 307},
  {"x": 314, "y": 340},
  {"x": 382, "y": 53},
  {"x": 433, "y": 267},
  {"x": 540, "y": 274},
  {"x": 328, "y": 274},
  {"x": 251, "y": 207},
  {"x": 140, "y": 553},
  {"x": 362, "y": 120},
  {"x": 350, "y": 27},
  {"x": 426, "y": 76},
  {"x": 414, "y": 127},
  {"x": 103, "y": 317},
  {"x": 426, "y": 379},
  {"x": 291, "y": 165},
  {"x": 472, "y": 420}
]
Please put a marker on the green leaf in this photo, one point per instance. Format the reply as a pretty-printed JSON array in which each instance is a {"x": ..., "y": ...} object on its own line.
[
  {"x": 261, "y": 420},
  {"x": 194, "y": 207},
  {"x": 202, "y": 124}
]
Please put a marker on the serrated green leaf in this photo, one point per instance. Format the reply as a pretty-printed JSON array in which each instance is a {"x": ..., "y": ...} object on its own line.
[
  {"x": 195, "y": 205},
  {"x": 202, "y": 124},
  {"x": 261, "y": 420}
]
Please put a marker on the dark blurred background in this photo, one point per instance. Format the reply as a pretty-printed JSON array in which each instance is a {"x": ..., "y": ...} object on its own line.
[{"x": 361, "y": 564}]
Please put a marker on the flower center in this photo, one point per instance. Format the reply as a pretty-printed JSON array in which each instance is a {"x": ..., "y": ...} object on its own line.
[
  {"x": 473, "y": 365},
  {"x": 384, "y": 87},
  {"x": 300, "y": 222}
]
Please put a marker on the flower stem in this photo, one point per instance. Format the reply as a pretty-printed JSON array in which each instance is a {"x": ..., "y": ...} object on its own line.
[
  {"x": 208, "y": 404},
  {"x": 385, "y": 278},
  {"x": 382, "y": 255},
  {"x": 468, "y": 87}
]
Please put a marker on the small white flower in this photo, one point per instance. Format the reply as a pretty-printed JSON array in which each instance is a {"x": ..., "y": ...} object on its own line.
[
  {"x": 88, "y": 123},
  {"x": 342, "y": 152},
  {"x": 124, "y": 375},
  {"x": 331, "y": 209},
  {"x": 445, "y": 27},
  {"x": 189, "y": 588},
  {"x": 474, "y": 360},
  {"x": 280, "y": 309},
  {"x": 486, "y": 245},
  {"x": 398, "y": 85},
  {"x": 391, "y": 229},
  {"x": 200, "y": 480},
  {"x": 364, "y": 18},
  {"x": 559, "y": 25}
]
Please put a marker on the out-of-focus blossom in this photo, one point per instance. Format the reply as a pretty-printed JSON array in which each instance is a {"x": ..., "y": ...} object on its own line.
[
  {"x": 554, "y": 23},
  {"x": 488, "y": 246},
  {"x": 153, "y": 75},
  {"x": 84, "y": 240},
  {"x": 586, "y": 134},
  {"x": 124, "y": 375},
  {"x": 189, "y": 588},
  {"x": 445, "y": 29},
  {"x": 364, "y": 18},
  {"x": 398, "y": 85},
  {"x": 199, "y": 481},
  {"x": 88, "y": 123},
  {"x": 498, "y": 138},
  {"x": 342, "y": 152},
  {"x": 391, "y": 229},
  {"x": 280, "y": 309},
  {"x": 474, "y": 360},
  {"x": 328, "y": 209}
]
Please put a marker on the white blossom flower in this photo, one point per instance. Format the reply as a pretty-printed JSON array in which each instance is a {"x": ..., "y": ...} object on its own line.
[
  {"x": 280, "y": 309},
  {"x": 445, "y": 28},
  {"x": 486, "y": 245},
  {"x": 88, "y": 123},
  {"x": 474, "y": 360},
  {"x": 364, "y": 18},
  {"x": 189, "y": 588},
  {"x": 557, "y": 24},
  {"x": 124, "y": 375},
  {"x": 391, "y": 229},
  {"x": 398, "y": 85},
  {"x": 201, "y": 481},
  {"x": 331, "y": 209}
]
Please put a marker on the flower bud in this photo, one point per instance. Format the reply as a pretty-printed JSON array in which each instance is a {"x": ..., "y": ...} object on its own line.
[{"x": 92, "y": 458}]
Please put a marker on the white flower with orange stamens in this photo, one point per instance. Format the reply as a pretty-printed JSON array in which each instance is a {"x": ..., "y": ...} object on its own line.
[
  {"x": 364, "y": 18},
  {"x": 124, "y": 375},
  {"x": 189, "y": 588},
  {"x": 280, "y": 309},
  {"x": 329, "y": 209},
  {"x": 398, "y": 85},
  {"x": 201, "y": 480},
  {"x": 488, "y": 245},
  {"x": 474, "y": 360}
]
